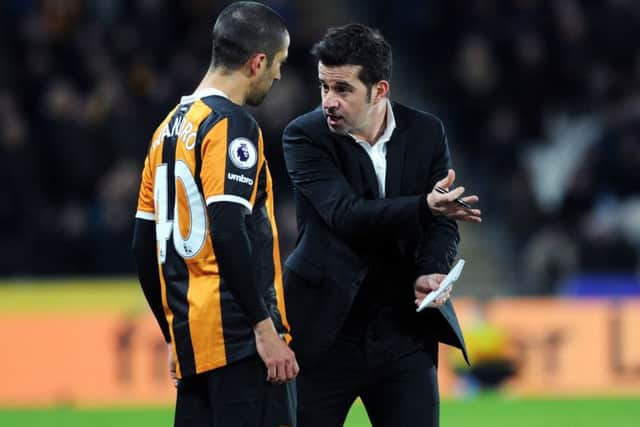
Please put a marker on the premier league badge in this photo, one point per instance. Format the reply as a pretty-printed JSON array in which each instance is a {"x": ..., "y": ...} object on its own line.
[{"x": 243, "y": 153}]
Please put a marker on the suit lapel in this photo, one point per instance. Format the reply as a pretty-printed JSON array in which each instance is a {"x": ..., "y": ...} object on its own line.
[
  {"x": 395, "y": 161},
  {"x": 357, "y": 167},
  {"x": 368, "y": 173}
]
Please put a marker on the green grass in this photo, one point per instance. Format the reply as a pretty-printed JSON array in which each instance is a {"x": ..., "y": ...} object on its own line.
[
  {"x": 68, "y": 417},
  {"x": 485, "y": 411},
  {"x": 498, "y": 411}
]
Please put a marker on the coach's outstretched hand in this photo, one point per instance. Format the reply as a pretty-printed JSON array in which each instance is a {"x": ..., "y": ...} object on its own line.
[
  {"x": 280, "y": 360},
  {"x": 445, "y": 203}
]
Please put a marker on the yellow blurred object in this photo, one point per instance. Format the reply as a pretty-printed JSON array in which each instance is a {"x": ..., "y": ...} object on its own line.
[{"x": 485, "y": 343}]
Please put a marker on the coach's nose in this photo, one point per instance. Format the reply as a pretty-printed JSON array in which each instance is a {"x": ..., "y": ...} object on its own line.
[{"x": 330, "y": 102}]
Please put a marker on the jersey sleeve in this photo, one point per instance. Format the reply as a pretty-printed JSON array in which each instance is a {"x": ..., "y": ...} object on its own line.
[
  {"x": 232, "y": 155},
  {"x": 146, "y": 207}
]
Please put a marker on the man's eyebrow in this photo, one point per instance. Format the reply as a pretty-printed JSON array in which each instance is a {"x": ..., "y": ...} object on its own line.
[{"x": 340, "y": 83}]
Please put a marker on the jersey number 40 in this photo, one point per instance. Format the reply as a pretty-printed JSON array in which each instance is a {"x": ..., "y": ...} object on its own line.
[{"x": 195, "y": 224}]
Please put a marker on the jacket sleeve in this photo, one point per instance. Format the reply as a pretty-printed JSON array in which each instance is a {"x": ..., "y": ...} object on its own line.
[
  {"x": 315, "y": 176},
  {"x": 439, "y": 244}
]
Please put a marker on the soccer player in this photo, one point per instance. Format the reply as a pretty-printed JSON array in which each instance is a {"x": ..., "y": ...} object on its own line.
[{"x": 205, "y": 239}]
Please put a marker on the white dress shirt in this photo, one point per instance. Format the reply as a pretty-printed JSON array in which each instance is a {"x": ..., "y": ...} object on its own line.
[{"x": 378, "y": 151}]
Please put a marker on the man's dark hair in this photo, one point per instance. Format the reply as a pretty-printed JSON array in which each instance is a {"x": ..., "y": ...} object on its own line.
[
  {"x": 244, "y": 29},
  {"x": 356, "y": 44}
]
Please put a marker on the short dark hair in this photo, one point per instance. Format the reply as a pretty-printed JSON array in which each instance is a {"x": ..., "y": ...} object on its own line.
[
  {"x": 244, "y": 29},
  {"x": 356, "y": 44}
]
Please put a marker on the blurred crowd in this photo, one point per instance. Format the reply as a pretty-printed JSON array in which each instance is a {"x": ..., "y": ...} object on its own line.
[{"x": 541, "y": 100}]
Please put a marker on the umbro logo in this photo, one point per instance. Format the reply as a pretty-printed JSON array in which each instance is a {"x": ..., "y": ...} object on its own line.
[{"x": 240, "y": 178}]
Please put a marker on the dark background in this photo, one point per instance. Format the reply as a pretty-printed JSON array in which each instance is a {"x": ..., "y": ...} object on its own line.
[{"x": 541, "y": 101}]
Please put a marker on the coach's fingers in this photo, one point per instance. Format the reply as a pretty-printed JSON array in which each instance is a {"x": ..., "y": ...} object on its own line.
[
  {"x": 438, "y": 302},
  {"x": 469, "y": 218},
  {"x": 422, "y": 289},
  {"x": 442, "y": 299},
  {"x": 454, "y": 194},
  {"x": 443, "y": 202},
  {"x": 463, "y": 214},
  {"x": 448, "y": 180},
  {"x": 471, "y": 199},
  {"x": 428, "y": 282}
]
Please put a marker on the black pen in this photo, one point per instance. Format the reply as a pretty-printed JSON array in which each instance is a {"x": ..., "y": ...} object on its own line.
[{"x": 459, "y": 201}]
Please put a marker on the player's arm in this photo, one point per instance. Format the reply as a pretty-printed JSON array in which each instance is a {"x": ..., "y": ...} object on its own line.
[
  {"x": 315, "y": 175},
  {"x": 231, "y": 159},
  {"x": 233, "y": 254},
  {"x": 230, "y": 163},
  {"x": 145, "y": 249},
  {"x": 145, "y": 255}
]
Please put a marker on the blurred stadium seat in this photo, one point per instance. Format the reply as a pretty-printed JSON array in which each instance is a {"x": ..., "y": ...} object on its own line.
[{"x": 601, "y": 285}]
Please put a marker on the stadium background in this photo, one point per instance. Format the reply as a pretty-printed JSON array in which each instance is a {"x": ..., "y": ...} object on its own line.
[{"x": 541, "y": 100}]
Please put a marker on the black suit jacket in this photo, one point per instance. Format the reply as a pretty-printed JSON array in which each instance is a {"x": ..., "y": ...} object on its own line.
[{"x": 344, "y": 228}]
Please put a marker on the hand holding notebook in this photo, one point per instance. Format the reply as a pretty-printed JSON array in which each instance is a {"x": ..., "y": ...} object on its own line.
[{"x": 446, "y": 283}]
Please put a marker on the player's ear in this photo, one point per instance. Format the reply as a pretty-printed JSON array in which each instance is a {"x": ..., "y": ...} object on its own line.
[{"x": 256, "y": 64}]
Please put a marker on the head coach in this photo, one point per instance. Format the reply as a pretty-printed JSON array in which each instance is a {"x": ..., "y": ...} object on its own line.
[{"x": 374, "y": 237}]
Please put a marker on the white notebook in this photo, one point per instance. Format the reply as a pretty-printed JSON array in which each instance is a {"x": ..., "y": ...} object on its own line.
[{"x": 448, "y": 281}]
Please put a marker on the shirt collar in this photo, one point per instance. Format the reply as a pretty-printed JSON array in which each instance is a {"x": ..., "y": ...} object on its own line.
[
  {"x": 203, "y": 93},
  {"x": 389, "y": 128}
]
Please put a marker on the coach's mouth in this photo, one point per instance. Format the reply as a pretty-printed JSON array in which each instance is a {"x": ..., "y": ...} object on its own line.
[{"x": 333, "y": 120}]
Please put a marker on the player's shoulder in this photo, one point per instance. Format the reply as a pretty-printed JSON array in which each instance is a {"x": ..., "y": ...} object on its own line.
[
  {"x": 164, "y": 124},
  {"x": 236, "y": 115},
  {"x": 413, "y": 118}
]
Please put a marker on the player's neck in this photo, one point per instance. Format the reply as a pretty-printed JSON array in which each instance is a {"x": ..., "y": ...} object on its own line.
[{"x": 232, "y": 84}]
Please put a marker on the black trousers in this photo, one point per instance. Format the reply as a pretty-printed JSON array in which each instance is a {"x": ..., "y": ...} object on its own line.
[
  {"x": 237, "y": 395},
  {"x": 400, "y": 392}
]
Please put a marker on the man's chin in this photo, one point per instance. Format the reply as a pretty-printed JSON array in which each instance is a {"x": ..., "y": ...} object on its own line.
[
  {"x": 254, "y": 101},
  {"x": 337, "y": 129},
  {"x": 256, "y": 98}
]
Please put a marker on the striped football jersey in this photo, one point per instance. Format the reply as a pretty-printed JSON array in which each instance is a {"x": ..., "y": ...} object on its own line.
[{"x": 209, "y": 150}]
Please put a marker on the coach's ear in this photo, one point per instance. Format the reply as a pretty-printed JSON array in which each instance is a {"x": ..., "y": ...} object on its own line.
[{"x": 379, "y": 91}]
